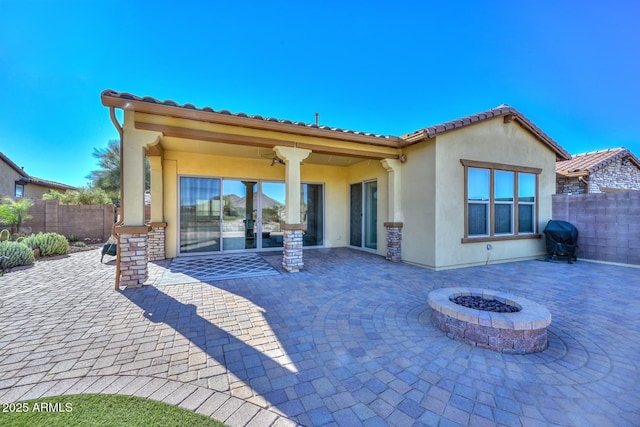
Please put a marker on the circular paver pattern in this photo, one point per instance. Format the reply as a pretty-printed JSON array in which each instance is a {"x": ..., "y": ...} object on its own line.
[{"x": 347, "y": 341}]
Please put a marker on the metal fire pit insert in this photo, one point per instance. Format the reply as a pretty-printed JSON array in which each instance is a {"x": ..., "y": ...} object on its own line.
[{"x": 522, "y": 332}]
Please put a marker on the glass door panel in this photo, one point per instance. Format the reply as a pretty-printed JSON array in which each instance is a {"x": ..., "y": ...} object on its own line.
[
  {"x": 239, "y": 211},
  {"x": 199, "y": 215},
  {"x": 371, "y": 215},
  {"x": 355, "y": 220},
  {"x": 312, "y": 214},
  {"x": 272, "y": 202}
]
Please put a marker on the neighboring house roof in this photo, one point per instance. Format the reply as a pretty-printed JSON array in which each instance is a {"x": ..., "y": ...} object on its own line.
[
  {"x": 509, "y": 114},
  {"x": 13, "y": 166},
  {"x": 587, "y": 163},
  {"x": 151, "y": 105},
  {"x": 28, "y": 179}
]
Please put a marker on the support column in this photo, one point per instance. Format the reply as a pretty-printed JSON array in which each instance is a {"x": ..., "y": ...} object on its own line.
[
  {"x": 133, "y": 236},
  {"x": 133, "y": 255},
  {"x": 156, "y": 236},
  {"x": 156, "y": 241},
  {"x": 292, "y": 259},
  {"x": 395, "y": 224},
  {"x": 157, "y": 192}
]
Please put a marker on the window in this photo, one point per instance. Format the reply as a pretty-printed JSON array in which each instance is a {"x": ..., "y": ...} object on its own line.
[
  {"x": 501, "y": 201},
  {"x": 19, "y": 190}
]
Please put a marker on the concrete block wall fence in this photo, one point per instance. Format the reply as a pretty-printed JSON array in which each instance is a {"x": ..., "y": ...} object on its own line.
[
  {"x": 82, "y": 221},
  {"x": 608, "y": 224}
]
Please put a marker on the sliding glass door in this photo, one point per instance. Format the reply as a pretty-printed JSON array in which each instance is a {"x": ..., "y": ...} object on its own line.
[
  {"x": 199, "y": 215},
  {"x": 235, "y": 215},
  {"x": 364, "y": 215},
  {"x": 239, "y": 212},
  {"x": 272, "y": 214}
]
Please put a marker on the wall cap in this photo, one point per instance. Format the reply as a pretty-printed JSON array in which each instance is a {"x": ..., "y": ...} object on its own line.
[
  {"x": 302, "y": 227},
  {"x": 133, "y": 229},
  {"x": 394, "y": 224}
]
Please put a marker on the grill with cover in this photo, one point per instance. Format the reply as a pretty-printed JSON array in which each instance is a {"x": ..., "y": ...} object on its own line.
[{"x": 561, "y": 239}]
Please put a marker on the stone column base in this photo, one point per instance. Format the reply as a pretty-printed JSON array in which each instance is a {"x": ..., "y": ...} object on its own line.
[
  {"x": 394, "y": 241},
  {"x": 156, "y": 241},
  {"x": 292, "y": 259},
  {"x": 133, "y": 255}
]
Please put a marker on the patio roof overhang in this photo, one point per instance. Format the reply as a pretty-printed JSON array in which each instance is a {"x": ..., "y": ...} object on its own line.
[{"x": 184, "y": 128}]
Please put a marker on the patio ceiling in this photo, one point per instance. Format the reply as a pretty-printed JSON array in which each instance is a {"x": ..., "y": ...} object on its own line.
[{"x": 248, "y": 152}]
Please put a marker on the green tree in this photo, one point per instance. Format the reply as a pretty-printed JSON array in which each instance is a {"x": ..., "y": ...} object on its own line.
[
  {"x": 15, "y": 212},
  {"x": 108, "y": 176},
  {"x": 83, "y": 196}
]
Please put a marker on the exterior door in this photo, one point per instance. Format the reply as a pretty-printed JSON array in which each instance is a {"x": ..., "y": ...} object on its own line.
[
  {"x": 239, "y": 212},
  {"x": 219, "y": 215},
  {"x": 199, "y": 215},
  {"x": 364, "y": 215},
  {"x": 272, "y": 214}
]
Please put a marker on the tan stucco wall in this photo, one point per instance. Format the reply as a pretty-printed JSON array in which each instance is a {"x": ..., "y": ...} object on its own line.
[
  {"x": 490, "y": 141},
  {"x": 34, "y": 191},
  {"x": 8, "y": 178},
  {"x": 418, "y": 204}
]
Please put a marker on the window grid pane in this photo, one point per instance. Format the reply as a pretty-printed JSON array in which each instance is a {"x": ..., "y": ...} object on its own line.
[
  {"x": 478, "y": 219},
  {"x": 503, "y": 218}
]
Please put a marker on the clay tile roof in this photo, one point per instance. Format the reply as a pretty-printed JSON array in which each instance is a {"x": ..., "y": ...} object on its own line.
[
  {"x": 127, "y": 96},
  {"x": 500, "y": 111},
  {"x": 586, "y": 163},
  {"x": 52, "y": 184}
]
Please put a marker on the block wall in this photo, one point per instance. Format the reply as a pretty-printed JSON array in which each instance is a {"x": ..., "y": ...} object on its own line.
[{"x": 608, "y": 224}]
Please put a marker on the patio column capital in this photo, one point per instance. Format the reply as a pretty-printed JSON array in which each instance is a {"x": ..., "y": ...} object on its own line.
[
  {"x": 392, "y": 167},
  {"x": 292, "y": 158}
]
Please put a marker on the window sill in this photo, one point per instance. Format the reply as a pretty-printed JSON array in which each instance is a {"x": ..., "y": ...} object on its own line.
[{"x": 499, "y": 238}]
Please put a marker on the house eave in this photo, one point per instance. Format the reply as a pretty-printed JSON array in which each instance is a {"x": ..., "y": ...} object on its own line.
[{"x": 210, "y": 116}]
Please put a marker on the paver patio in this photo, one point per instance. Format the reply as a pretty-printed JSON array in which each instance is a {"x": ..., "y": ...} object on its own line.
[{"x": 347, "y": 341}]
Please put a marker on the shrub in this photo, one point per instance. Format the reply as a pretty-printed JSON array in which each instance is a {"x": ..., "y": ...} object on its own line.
[
  {"x": 4, "y": 235},
  {"x": 17, "y": 253},
  {"x": 49, "y": 243}
]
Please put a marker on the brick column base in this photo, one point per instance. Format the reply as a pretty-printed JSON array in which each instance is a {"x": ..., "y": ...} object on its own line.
[
  {"x": 394, "y": 241},
  {"x": 156, "y": 241},
  {"x": 133, "y": 255},
  {"x": 292, "y": 258}
]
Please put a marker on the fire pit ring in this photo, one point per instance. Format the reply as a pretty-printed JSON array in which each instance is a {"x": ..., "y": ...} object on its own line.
[{"x": 521, "y": 332}]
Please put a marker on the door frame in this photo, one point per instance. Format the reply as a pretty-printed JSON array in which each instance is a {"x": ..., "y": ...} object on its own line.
[{"x": 363, "y": 215}]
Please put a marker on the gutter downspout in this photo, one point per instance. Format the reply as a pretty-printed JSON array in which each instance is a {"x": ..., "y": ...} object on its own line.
[{"x": 114, "y": 120}]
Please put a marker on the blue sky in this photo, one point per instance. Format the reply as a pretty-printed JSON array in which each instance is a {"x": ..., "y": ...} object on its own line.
[{"x": 384, "y": 67}]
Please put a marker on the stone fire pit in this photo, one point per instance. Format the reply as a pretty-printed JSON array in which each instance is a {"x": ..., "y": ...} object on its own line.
[{"x": 519, "y": 333}]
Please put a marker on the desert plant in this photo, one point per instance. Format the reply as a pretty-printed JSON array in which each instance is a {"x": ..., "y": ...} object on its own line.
[
  {"x": 17, "y": 254},
  {"x": 14, "y": 212},
  {"x": 4, "y": 235},
  {"x": 49, "y": 243}
]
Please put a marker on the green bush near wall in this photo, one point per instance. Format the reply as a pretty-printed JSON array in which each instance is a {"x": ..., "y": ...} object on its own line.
[
  {"x": 50, "y": 244},
  {"x": 17, "y": 254}
]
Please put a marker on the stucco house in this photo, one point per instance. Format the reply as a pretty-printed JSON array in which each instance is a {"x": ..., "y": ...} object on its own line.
[
  {"x": 457, "y": 194},
  {"x": 16, "y": 183},
  {"x": 616, "y": 169}
]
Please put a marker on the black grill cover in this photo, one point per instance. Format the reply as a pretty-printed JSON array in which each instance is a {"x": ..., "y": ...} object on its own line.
[{"x": 561, "y": 239}]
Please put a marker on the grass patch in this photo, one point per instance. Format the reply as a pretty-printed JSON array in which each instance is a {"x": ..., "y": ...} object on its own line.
[{"x": 99, "y": 410}]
